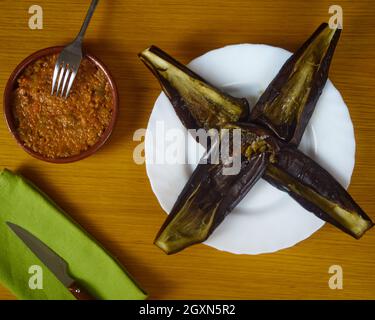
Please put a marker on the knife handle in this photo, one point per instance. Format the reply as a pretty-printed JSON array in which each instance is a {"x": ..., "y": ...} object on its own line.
[{"x": 79, "y": 293}]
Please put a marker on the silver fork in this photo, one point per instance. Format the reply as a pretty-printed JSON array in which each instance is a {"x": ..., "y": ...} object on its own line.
[{"x": 68, "y": 61}]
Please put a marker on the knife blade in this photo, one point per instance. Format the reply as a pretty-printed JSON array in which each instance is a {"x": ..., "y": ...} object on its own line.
[{"x": 57, "y": 265}]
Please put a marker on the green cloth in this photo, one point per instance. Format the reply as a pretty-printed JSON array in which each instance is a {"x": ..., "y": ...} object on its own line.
[{"x": 25, "y": 205}]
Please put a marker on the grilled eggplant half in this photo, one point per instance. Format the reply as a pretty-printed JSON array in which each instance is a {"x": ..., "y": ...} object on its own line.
[
  {"x": 289, "y": 100},
  {"x": 210, "y": 194},
  {"x": 197, "y": 103},
  {"x": 314, "y": 188}
]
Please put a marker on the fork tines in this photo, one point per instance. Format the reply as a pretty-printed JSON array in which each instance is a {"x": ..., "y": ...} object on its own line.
[{"x": 64, "y": 74}]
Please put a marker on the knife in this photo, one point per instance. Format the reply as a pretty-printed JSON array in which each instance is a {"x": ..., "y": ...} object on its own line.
[{"x": 52, "y": 261}]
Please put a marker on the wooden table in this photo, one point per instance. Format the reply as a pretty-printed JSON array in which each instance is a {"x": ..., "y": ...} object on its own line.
[{"x": 111, "y": 196}]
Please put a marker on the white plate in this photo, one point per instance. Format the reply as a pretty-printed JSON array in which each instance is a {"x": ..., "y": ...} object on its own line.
[{"x": 267, "y": 219}]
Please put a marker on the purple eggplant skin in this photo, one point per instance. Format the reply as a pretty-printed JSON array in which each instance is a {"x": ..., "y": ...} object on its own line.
[
  {"x": 210, "y": 194},
  {"x": 197, "y": 103},
  {"x": 317, "y": 191},
  {"x": 207, "y": 198},
  {"x": 288, "y": 102},
  {"x": 314, "y": 188}
]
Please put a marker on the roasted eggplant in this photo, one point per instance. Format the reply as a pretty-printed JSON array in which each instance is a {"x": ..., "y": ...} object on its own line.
[
  {"x": 317, "y": 191},
  {"x": 197, "y": 103},
  {"x": 314, "y": 188},
  {"x": 283, "y": 111},
  {"x": 288, "y": 102},
  {"x": 205, "y": 201},
  {"x": 210, "y": 194}
]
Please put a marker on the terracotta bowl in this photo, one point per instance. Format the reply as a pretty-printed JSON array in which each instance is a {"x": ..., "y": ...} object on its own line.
[{"x": 8, "y": 113}]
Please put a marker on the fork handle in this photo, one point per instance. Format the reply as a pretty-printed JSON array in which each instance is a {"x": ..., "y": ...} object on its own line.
[{"x": 85, "y": 24}]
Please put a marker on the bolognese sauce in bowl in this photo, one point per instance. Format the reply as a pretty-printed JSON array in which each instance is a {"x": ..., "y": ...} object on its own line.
[{"x": 53, "y": 128}]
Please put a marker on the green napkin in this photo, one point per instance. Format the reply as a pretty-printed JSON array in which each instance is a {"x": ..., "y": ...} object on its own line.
[{"x": 25, "y": 205}]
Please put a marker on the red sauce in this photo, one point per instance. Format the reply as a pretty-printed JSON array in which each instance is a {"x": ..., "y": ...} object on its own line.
[{"x": 56, "y": 127}]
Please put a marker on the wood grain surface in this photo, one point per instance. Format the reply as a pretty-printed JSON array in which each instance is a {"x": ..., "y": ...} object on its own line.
[{"x": 111, "y": 196}]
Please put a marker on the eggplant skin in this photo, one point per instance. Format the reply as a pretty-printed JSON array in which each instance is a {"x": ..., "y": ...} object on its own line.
[
  {"x": 210, "y": 194},
  {"x": 313, "y": 187},
  {"x": 207, "y": 198},
  {"x": 197, "y": 103},
  {"x": 317, "y": 191},
  {"x": 288, "y": 102}
]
